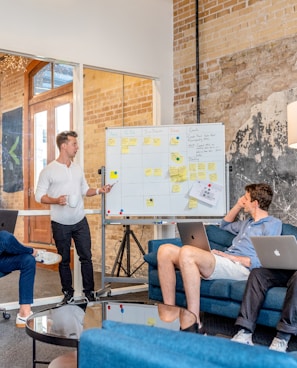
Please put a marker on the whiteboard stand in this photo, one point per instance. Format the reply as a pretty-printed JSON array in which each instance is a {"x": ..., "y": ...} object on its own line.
[
  {"x": 106, "y": 289},
  {"x": 126, "y": 245}
]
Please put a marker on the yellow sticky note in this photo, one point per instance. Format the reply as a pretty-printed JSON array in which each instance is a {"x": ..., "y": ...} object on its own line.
[
  {"x": 125, "y": 149},
  {"x": 202, "y": 175},
  {"x": 193, "y": 176},
  {"x": 125, "y": 141},
  {"x": 132, "y": 141},
  {"x": 173, "y": 171},
  {"x": 111, "y": 142},
  {"x": 157, "y": 141},
  {"x": 157, "y": 172},
  {"x": 148, "y": 172},
  {"x": 175, "y": 188},
  {"x": 182, "y": 170},
  {"x": 113, "y": 175},
  {"x": 201, "y": 166},
  {"x": 174, "y": 141},
  {"x": 151, "y": 321},
  {"x": 212, "y": 166},
  {"x": 147, "y": 140},
  {"x": 213, "y": 177},
  {"x": 192, "y": 203},
  {"x": 176, "y": 157},
  {"x": 150, "y": 202},
  {"x": 192, "y": 167}
]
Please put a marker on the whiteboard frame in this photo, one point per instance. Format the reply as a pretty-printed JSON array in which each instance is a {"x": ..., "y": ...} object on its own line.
[{"x": 142, "y": 172}]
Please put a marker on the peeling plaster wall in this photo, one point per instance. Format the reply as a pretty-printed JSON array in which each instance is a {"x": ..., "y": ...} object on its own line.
[
  {"x": 259, "y": 153},
  {"x": 249, "y": 92}
]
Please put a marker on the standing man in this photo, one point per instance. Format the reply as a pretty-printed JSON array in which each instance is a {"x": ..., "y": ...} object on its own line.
[
  {"x": 62, "y": 185},
  {"x": 235, "y": 263}
]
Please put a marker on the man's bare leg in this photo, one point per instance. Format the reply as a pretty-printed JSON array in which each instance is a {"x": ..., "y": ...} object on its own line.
[
  {"x": 168, "y": 255},
  {"x": 195, "y": 263}
]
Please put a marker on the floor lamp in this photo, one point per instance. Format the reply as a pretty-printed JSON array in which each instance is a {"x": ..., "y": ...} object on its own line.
[{"x": 292, "y": 124}]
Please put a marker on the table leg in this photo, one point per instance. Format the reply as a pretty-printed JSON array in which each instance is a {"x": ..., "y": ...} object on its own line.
[
  {"x": 34, "y": 353},
  {"x": 35, "y": 361}
]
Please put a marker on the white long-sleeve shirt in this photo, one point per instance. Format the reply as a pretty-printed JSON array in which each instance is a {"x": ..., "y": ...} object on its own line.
[{"x": 57, "y": 179}]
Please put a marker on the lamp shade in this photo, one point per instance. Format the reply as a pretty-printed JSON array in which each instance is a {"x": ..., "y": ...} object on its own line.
[{"x": 292, "y": 124}]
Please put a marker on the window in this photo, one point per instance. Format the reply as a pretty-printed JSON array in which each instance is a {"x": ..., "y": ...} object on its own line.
[{"x": 51, "y": 76}]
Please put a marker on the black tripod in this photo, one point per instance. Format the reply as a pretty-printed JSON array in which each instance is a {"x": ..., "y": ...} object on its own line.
[{"x": 125, "y": 244}]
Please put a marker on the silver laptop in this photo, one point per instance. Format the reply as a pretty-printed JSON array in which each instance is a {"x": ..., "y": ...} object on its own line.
[
  {"x": 278, "y": 252},
  {"x": 193, "y": 233},
  {"x": 8, "y": 219}
]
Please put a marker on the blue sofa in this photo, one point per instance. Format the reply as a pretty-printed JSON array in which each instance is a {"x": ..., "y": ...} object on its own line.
[
  {"x": 120, "y": 345},
  {"x": 220, "y": 297}
]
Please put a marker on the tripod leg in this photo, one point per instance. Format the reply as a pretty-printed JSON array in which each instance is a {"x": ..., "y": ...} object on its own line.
[
  {"x": 137, "y": 242},
  {"x": 128, "y": 252},
  {"x": 119, "y": 257},
  {"x": 129, "y": 273}
]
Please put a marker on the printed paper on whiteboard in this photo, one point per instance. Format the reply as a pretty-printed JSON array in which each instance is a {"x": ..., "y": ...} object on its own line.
[{"x": 206, "y": 192}]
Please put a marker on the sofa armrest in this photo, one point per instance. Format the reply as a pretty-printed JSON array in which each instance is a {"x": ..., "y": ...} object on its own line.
[{"x": 154, "y": 244}]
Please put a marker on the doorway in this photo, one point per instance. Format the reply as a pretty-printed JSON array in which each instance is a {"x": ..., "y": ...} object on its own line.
[{"x": 50, "y": 111}]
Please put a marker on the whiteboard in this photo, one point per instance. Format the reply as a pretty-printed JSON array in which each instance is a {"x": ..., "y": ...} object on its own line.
[{"x": 170, "y": 170}]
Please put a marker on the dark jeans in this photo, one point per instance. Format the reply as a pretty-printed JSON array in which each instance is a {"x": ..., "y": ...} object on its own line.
[
  {"x": 80, "y": 233},
  {"x": 15, "y": 256},
  {"x": 259, "y": 281}
]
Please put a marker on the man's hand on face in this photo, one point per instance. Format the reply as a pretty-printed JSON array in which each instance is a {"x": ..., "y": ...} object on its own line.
[{"x": 241, "y": 202}]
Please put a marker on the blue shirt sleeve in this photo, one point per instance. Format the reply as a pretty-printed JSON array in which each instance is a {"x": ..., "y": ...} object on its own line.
[{"x": 241, "y": 244}]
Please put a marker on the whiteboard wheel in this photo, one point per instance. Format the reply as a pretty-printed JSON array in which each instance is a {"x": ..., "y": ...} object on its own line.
[{"x": 6, "y": 315}]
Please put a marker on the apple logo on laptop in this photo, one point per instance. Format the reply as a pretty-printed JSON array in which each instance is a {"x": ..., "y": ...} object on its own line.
[{"x": 276, "y": 252}]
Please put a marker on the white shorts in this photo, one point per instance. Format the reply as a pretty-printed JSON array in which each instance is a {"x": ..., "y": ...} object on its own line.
[{"x": 227, "y": 269}]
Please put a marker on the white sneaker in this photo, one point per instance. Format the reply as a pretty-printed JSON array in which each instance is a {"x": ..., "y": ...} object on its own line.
[
  {"x": 279, "y": 345},
  {"x": 243, "y": 337},
  {"x": 47, "y": 258},
  {"x": 20, "y": 322}
]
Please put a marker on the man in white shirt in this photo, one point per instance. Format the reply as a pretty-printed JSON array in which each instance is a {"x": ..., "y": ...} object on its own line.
[{"x": 62, "y": 185}]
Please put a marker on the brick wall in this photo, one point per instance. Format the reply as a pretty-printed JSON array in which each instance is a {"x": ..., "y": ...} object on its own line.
[
  {"x": 184, "y": 63},
  {"x": 247, "y": 75},
  {"x": 11, "y": 97},
  {"x": 112, "y": 100},
  {"x": 225, "y": 28}
]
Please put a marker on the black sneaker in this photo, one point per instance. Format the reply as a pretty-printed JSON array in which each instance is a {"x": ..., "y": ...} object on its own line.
[
  {"x": 68, "y": 295},
  {"x": 90, "y": 296}
]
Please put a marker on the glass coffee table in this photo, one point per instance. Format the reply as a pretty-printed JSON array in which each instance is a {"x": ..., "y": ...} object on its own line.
[{"x": 61, "y": 325}]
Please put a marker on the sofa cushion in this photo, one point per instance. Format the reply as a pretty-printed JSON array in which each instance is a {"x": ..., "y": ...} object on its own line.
[
  {"x": 151, "y": 258},
  {"x": 275, "y": 298},
  {"x": 216, "y": 288},
  {"x": 154, "y": 347},
  {"x": 289, "y": 229},
  {"x": 237, "y": 290},
  {"x": 128, "y": 345},
  {"x": 218, "y": 236}
]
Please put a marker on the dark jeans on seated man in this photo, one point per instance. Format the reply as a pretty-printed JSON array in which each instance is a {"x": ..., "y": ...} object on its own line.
[{"x": 259, "y": 282}]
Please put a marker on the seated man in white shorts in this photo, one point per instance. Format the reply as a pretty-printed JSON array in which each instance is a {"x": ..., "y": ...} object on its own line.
[{"x": 235, "y": 263}]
